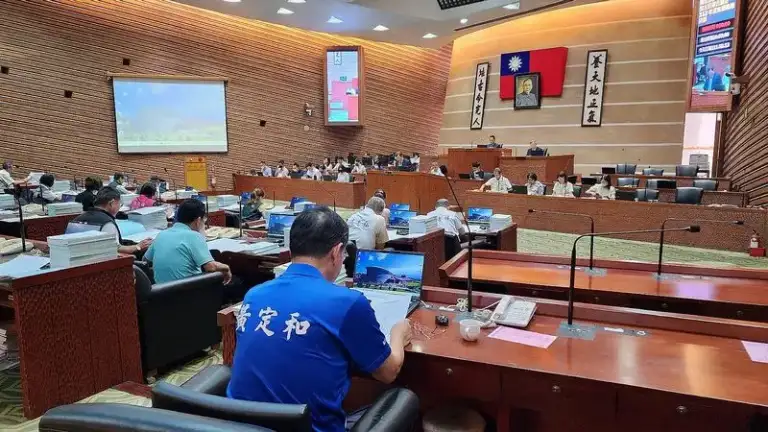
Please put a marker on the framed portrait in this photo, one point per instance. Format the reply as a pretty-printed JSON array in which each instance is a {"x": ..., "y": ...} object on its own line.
[{"x": 528, "y": 91}]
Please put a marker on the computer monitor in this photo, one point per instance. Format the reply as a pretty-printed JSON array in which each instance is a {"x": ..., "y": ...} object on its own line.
[
  {"x": 464, "y": 176},
  {"x": 588, "y": 181},
  {"x": 400, "y": 218},
  {"x": 519, "y": 189},
  {"x": 278, "y": 223},
  {"x": 625, "y": 195},
  {"x": 395, "y": 271},
  {"x": 608, "y": 170},
  {"x": 295, "y": 200},
  {"x": 479, "y": 215},
  {"x": 399, "y": 206}
]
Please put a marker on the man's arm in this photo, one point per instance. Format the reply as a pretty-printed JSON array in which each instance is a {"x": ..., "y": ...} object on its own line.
[
  {"x": 203, "y": 258},
  {"x": 215, "y": 266},
  {"x": 399, "y": 338}
]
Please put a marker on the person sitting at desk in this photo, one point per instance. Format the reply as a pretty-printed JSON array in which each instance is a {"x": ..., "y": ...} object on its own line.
[
  {"x": 105, "y": 207},
  {"x": 282, "y": 170},
  {"x": 477, "y": 173},
  {"x": 435, "y": 170},
  {"x": 344, "y": 176},
  {"x": 368, "y": 228},
  {"x": 415, "y": 161},
  {"x": 88, "y": 196},
  {"x": 359, "y": 168},
  {"x": 535, "y": 150},
  {"x": 6, "y": 181},
  {"x": 312, "y": 173},
  {"x": 535, "y": 187},
  {"x": 603, "y": 190},
  {"x": 498, "y": 183},
  {"x": 295, "y": 169},
  {"x": 562, "y": 187},
  {"x": 492, "y": 142},
  {"x": 42, "y": 193},
  {"x": 326, "y": 167},
  {"x": 145, "y": 198},
  {"x": 180, "y": 251},
  {"x": 315, "y": 332},
  {"x": 383, "y": 195},
  {"x": 252, "y": 207},
  {"x": 446, "y": 219},
  {"x": 266, "y": 170},
  {"x": 117, "y": 183}
]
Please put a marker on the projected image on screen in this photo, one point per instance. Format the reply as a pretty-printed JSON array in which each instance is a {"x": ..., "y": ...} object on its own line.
[
  {"x": 343, "y": 86},
  {"x": 170, "y": 116}
]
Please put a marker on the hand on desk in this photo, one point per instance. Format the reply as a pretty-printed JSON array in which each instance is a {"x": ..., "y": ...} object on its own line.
[
  {"x": 402, "y": 333},
  {"x": 144, "y": 244}
]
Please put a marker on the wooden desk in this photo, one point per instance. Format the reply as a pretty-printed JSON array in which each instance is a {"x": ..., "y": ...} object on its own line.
[
  {"x": 420, "y": 190},
  {"x": 253, "y": 269},
  {"x": 38, "y": 228},
  {"x": 725, "y": 293},
  {"x": 348, "y": 195},
  {"x": 738, "y": 199},
  {"x": 460, "y": 160},
  {"x": 217, "y": 218},
  {"x": 516, "y": 168},
  {"x": 723, "y": 183},
  {"x": 78, "y": 332},
  {"x": 501, "y": 240},
  {"x": 688, "y": 374},
  {"x": 432, "y": 244},
  {"x": 629, "y": 215}
]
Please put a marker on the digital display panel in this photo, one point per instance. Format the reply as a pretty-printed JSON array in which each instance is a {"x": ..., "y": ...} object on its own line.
[{"x": 344, "y": 86}]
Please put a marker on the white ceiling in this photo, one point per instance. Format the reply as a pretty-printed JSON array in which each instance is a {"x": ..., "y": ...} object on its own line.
[{"x": 408, "y": 20}]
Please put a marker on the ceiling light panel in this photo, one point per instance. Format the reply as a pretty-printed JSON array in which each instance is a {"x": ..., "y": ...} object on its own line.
[
  {"x": 450, "y": 4},
  {"x": 284, "y": 11}
]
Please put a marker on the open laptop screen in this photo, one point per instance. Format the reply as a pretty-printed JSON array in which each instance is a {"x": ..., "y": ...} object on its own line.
[
  {"x": 295, "y": 200},
  {"x": 278, "y": 223},
  {"x": 400, "y": 218},
  {"x": 399, "y": 206},
  {"x": 479, "y": 214},
  {"x": 390, "y": 271}
]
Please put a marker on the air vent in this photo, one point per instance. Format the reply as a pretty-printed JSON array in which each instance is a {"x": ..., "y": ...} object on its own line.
[{"x": 450, "y": 4}]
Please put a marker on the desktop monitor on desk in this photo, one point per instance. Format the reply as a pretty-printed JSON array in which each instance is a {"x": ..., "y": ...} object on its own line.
[
  {"x": 608, "y": 170},
  {"x": 400, "y": 218},
  {"x": 393, "y": 272},
  {"x": 479, "y": 215},
  {"x": 295, "y": 200},
  {"x": 519, "y": 189},
  {"x": 399, "y": 206},
  {"x": 278, "y": 223}
]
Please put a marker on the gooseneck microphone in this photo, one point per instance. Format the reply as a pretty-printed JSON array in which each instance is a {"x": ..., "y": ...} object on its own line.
[
  {"x": 444, "y": 170},
  {"x": 329, "y": 194},
  {"x": 591, "y": 230},
  {"x": 175, "y": 189},
  {"x": 663, "y": 225},
  {"x": 22, "y": 230},
  {"x": 572, "y": 285}
]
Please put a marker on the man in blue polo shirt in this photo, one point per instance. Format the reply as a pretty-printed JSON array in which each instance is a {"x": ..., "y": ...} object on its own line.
[
  {"x": 180, "y": 251},
  {"x": 299, "y": 335}
]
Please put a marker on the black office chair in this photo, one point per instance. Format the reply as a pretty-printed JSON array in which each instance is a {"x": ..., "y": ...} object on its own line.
[
  {"x": 624, "y": 195},
  {"x": 625, "y": 168},
  {"x": 545, "y": 190},
  {"x": 589, "y": 181},
  {"x": 661, "y": 184},
  {"x": 706, "y": 184},
  {"x": 487, "y": 176},
  {"x": 576, "y": 191},
  {"x": 686, "y": 170},
  {"x": 653, "y": 171},
  {"x": 688, "y": 195},
  {"x": 646, "y": 195},
  {"x": 572, "y": 179},
  {"x": 628, "y": 182}
]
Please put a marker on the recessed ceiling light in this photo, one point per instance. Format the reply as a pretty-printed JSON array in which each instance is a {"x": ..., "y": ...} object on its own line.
[
  {"x": 429, "y": 36},
  {"x": 513, "y": 6},
  {"x": 284, "y": 11},
  {"x": 232, "y": 1},
  {"x": 463, "y": 20},
  {"x": 334, "y": 20},
  {"x": 380, "y": 28},
  {"x": 297, "y": 1}
]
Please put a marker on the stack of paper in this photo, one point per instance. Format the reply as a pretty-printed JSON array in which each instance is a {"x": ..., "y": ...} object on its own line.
[
  {"x": 9, "y": 346},
  {"x": 226, "y": 200},
  {"x": 61, "y": 186},
  {"x": 499, "y": 222},
  {"x": 422, "y": 224},
  {"x": 185, "y": 194},
  {"x": 140, "y": 236},
  {"x": 7, "y": 201},
  {"x": 61, "y": 208},
  {"x": 127, "y": 199},
  {"x": 153, "y": 218},
  {"x": 232, "y": 245},
  {"x": 23, "y": 265},
  {"x": 213, "y": 203},
  {"x": 68, "y": 250}
]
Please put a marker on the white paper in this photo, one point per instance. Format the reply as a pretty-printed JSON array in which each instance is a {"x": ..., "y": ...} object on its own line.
[
  {"x": 147, "y": 210},
  {"x": 23, "y": 265},
  {"x": 138, "y": 237},
  {"x": 389, "y": 307}
]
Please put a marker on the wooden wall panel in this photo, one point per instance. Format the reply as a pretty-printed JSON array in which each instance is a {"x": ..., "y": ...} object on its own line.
[
  {"x": 58, "y": 45},
  {"x": 745, "y": 144},
  {"x": 644, "y": 113}
]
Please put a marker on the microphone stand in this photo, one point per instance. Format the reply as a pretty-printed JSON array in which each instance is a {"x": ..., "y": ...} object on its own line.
[
  {"x": 22, "y": 231},
  {"x": 240, "y": 215},
  {"x": 175, "y": 189},
  {"x": 469, "y": 249},
  {"x": 663, "y": 225},
  {"x": 591, "y": 230},
  {"x": 567, "y": 329},
  {"x": 329, "y": 194}
]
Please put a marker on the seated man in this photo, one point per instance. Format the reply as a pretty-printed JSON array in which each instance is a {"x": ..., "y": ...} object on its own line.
[
  {"x": 312, "y": 172},
  {"x": 368, "y": 228},
  {"x": 102, "y": 214},
  {"x": 180, "y": 251},
  {"x": 43, "y": 193},
  {"x": 477, "y": 172},
  {"x": 117, "y": 183},
  {"x": 88, "y": 196},
  {"x": 535, "y": 150},
  {"x": 446, "y": 219},
  {"x": 298, "y": 336},
  {"x": 266, "y": 170},
  {"x": 497, "y": 183},
  {"x": 535, "y": 187}
]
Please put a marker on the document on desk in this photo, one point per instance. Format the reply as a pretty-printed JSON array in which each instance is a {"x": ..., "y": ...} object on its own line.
[
  {"x": 757, "y": 351},
  {"x": 138, "y": 237},
  {"x": 23, "y": 265},
  {"x": 390, "y": 308},
  {"x": 538, "y": 340}
]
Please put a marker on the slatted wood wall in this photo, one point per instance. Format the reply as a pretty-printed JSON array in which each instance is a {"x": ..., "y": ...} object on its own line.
[
  {"x": 644, "y": 111},
  {"x": 745, "y": 147},
  {"x": 57, "y": 45}
]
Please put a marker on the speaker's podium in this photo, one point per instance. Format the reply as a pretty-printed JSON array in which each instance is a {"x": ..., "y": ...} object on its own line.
[
  {"x": 516, "y": 168},
  {"x": 460, "y": 160}
]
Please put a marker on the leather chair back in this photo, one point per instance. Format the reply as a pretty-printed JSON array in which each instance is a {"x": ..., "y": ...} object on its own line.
[
  {"x": 686, "y": 170},
  {"x": 628, "y": 181},
  {"x": 706, "y": 184},
  {"x": 688, "y": 195},
  {"x": 143, "y": 285},
  {"x": 402, "y": 401},
  {"x": 653, "y": 171},
  {"x": 661, "y": 184},
  {"x": 646, "y": 195},
  {"x": 625, "y": 168}
]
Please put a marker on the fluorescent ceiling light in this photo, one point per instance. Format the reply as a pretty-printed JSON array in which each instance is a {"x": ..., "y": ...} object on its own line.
[
  {"x": 232, "y": 1},
  {"x": 284, "y": 11},
  {"x": 380, "y": 28},
  {"x": 334, "y": 20},
  {"x": 429, "y": 36},
  {"x": 463, "y": 20},
  {"x": 513, "y": 6},
  {"x": 297, "y": 1}
]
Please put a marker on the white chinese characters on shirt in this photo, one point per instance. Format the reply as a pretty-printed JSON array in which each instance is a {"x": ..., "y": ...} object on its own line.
[{"x": 293, "y": 325}]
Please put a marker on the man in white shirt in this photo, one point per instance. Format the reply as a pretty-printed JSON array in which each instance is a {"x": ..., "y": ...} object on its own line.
[
  {"x": 6, "y": 181},
  {"x": 266, "y": 170},
  {"x": 416, "y": 160},
  {"x": 498, "y": 183},
  {"x": 358, "y": 168},
  {"x": 282, "y": 170},
  {"x": 367, "y": 227},
  {"x": 344, "y": 176},
  {"x": 435, "y": 170},
  {"x": 446, "y": 219},
  {"x": 312, "y": 173}
]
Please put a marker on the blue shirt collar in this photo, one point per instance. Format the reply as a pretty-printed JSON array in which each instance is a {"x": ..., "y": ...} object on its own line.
[
  {"x": 299, "y": 269},
  {"x": 181, "y": 226}
]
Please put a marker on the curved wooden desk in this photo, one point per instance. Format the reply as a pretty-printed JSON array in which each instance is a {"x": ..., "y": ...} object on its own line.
[
  {"x": 347, "y": 195},
  {"x": 726, "y": 293}
]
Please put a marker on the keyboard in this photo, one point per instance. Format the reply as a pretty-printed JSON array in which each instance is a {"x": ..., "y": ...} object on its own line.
[{"x": 402, "y": 232}]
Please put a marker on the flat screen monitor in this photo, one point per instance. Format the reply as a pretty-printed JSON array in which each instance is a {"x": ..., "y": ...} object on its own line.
[
  {"x": 399, "y": 206},
  {"x": 344, "y": 88},
  {"x": 479, "y": 214},
  {"x": 519, "y": 189},
  {"x": 295, "y": 200},
  {"x": 390, "y": 271},
  {"x": 608, "y": 170},
  {"x": 160, "y": 115},
  {"x": 400, "y": 218},
  {"x": 278, "y": 223}
]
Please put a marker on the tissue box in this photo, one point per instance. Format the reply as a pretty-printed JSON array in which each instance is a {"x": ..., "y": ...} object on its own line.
[
  {"x": 422, "y": 224},
  {"x": 499, "y": 222}
]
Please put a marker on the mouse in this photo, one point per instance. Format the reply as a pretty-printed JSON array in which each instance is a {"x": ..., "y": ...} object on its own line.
[{"x": 442, "y": 320}]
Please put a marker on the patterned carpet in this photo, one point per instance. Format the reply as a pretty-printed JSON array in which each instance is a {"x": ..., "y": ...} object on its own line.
[{"x": 529, "y": 241}]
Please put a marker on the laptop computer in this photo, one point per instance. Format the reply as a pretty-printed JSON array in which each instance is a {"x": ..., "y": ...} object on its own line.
[
  {"x": 519, "y": 189},
  {"x": 399, "y": 206},
  {"x": 295, "y": 200},
  {"x": 608, "y": 170},
  {"x": 277, "y": 224},
  {"x": 400, "y": 218},
  {"x": 464, "y": 176},
  {"x": 625, "y": 195},
  {"x": 479, "y": 215},
  {"x": 395, "y": 272}
]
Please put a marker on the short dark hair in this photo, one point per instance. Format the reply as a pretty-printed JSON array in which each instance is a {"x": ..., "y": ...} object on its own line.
[
  {"x": 533, "y": 176},
  {"x": 189, "y": 210},
  {"x": 148, "y": 190},
  {"x": 93, "y": 183},
  {"x": 475, "y": 164},
  {"x": 492, "y": 136},
  {"x": 47, "y": 179},
  {"x": 380, "y": 193},
  {"x": 105, "y": 196},
  {"x": 118, "y": 176},
  {"x": 606, "y": 178},
  {"x": 562, "y": 174},
  {"x": 316, "y": 231}
]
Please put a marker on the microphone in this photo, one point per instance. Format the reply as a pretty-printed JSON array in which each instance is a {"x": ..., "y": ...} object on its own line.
[
  {"x": 591, "y": 230},
  {"x": 572, "y": 284},
  {"x": 663, "y": 225},
  {"x": 329, "y": 194},
  {"x": 175, "y": 189},
  {"x": 444, "y": 170}
]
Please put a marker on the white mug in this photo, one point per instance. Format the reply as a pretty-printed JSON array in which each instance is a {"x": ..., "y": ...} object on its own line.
[{"x": 470, "y": 329}]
